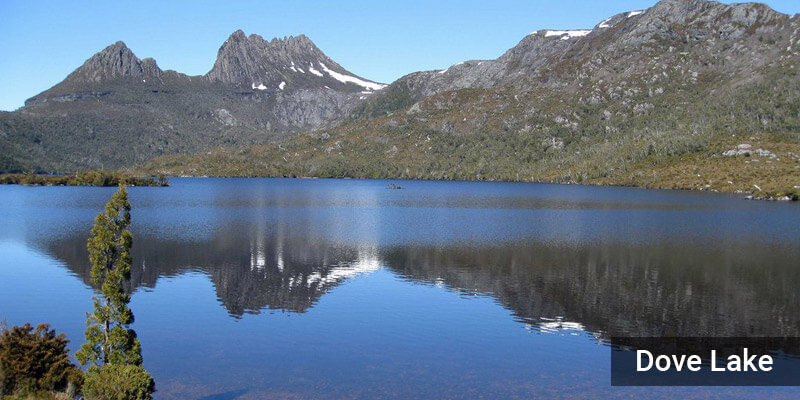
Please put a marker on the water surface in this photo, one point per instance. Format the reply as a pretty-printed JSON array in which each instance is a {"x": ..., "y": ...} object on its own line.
[{"x": 289, "y": 288}]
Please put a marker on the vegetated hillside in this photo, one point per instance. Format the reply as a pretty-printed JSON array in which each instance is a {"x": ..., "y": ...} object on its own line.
[
  {"x": 117, "y": 110},
  {"x": 653, "y": 98}
]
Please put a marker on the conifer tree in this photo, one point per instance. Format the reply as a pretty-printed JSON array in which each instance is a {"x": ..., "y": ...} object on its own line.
[{"x": 111, "y": 347}]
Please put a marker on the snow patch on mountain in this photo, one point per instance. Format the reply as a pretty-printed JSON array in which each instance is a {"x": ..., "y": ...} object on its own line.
[
  {"x": 568, "y": 34},
  {"x": 313, "y": 71},
  {"x": 607, "y": 23},
  {"x": 351, "y": 79},
  {"x": 604, "y": 23}
]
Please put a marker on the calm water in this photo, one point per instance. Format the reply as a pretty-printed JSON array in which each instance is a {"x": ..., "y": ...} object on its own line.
[{"x": 280, "y": 288}]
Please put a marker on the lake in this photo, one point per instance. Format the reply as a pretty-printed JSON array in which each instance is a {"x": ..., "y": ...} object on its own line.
[{"x": 306, "y": 288}]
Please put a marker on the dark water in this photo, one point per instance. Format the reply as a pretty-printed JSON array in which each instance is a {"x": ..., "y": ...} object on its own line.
[{"x": 275, "y": 288}]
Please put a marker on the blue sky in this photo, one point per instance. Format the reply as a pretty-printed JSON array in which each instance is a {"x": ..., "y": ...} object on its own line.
[{"x": 43, "y": 41}]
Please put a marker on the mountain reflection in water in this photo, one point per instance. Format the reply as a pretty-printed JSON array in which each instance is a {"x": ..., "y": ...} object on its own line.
[{"x": 614, "y": 288}]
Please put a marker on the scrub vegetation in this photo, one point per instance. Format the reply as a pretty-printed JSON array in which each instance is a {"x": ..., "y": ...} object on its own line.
[{"x": 85, "y": 178}]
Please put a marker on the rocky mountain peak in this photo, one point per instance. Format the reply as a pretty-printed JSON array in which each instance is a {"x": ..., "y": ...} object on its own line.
[
  {"x": 299, "y": 40},
  {"x": 115, "y": 61},
  {"x": 685, "y": 23},
  {"x": 288, "y": 63},
  {"x": 238, "y": 35}
]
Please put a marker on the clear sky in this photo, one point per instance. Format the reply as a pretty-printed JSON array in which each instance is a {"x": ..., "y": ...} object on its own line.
[{"x": 41, "y": 42}]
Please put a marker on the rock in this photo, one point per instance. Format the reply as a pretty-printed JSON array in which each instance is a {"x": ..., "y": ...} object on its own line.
[
  {"x": 553, "y": 143},
  {"x": 224, "y": 117},
  {"x": 743, "y": 149},
  {"x": 765, "y": 153},
  {"x": 746, "y": 150}
]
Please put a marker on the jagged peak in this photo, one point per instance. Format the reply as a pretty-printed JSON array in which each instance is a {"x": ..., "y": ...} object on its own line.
[
  {"x": 301, "y": 38},
  {"x": 114, "y": 61},
  {"x": 255, "y": 62},
  {"x": 117, "y": 49},
  {"x": 149, "y": 65},
  {"x": 240, "y": 35}
]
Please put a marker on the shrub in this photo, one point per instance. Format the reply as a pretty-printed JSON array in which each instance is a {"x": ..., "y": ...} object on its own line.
[
  {"x": 119, "y": 382},
  {"x": 34, "y": 360}
]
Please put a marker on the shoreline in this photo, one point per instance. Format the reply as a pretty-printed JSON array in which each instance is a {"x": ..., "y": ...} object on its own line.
[
  {"x": 745, "y": 195},
  {"x": 95, "y": 178}
]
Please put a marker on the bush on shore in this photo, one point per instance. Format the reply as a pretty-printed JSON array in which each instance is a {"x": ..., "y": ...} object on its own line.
[
  {"x": 34, "y": 363},
  {"x": 84, "y": 178}
]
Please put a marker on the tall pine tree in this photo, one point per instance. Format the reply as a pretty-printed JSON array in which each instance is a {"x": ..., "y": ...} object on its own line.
[{"x": 112, "y": 350}]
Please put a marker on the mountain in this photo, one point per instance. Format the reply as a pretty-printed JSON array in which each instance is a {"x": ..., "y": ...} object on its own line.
[
  {"x": 115, "y": 61},
  {"x": 703, "y": 36},
  {"x": 117, "y": 110},
  {"x": 679, "y": 96},
  {"x": 295, "y": 61}
]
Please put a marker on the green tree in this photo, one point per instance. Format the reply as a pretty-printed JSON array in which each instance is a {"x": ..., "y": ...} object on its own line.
[{"x": 112, "y": 348}]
